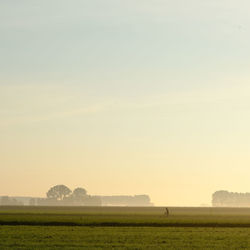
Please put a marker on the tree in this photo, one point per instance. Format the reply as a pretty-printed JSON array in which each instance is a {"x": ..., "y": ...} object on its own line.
[
  {"x": 220, "y": 198},
  {"x": 79, "y": 192},
  {"x": 59, "y": 192}
]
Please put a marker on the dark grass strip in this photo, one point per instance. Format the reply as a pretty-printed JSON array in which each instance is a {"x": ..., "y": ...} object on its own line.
[{"x": 124, "y": 224}]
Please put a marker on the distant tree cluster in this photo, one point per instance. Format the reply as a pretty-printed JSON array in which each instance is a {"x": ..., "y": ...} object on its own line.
[
  {"x": 61, "y": 195},
  {"x": 7, "y": 201},
  {"x": 230, "y": 199}
]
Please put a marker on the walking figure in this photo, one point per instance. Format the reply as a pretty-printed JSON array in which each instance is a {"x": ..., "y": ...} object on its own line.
[{"x": 166, "y": 212}]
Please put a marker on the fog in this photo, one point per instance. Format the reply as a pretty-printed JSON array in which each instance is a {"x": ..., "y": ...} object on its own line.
[{"x": 125, "y": 98}]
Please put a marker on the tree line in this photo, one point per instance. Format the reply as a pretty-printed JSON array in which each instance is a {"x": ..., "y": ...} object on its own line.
[
  {"x": 8, "y": 201},
  {"x": 224, "y": 198},
  {"x": 61, "y": 195}
]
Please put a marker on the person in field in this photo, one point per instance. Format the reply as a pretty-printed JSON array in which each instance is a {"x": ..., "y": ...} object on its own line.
[{"x": 166, "y": 212}]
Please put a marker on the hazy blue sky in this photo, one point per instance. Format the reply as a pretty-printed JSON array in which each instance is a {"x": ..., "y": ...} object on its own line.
[{"x": 125, "y": 97}]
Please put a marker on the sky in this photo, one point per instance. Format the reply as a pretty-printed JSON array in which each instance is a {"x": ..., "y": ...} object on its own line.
[{"x": 125, "y": 97}]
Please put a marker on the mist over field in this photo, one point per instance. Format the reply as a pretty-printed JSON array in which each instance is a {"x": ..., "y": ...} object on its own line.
[
  {"x": 126, "y": 98},
  {"x": 124, "y": 124}
]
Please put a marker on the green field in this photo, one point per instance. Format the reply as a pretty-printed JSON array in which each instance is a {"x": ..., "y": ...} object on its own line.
[{"x": 124, "y": 228}]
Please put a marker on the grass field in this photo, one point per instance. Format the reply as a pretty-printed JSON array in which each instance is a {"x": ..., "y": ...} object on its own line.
[{"x": 124, "y": 228}]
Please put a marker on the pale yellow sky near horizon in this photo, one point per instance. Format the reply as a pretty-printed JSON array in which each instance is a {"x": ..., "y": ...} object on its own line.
[
  {"x": 178, "y": 148},
  {"x": 125, "y": 97}
]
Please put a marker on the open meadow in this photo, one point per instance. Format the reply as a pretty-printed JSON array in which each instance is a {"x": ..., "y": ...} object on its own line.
[{"x": 124, "y": 228}]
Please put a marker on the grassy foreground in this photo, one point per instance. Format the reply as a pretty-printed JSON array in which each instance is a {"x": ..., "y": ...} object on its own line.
[
  {"x": 124, "y": 228},
  {"x": 54, "y": 237}
]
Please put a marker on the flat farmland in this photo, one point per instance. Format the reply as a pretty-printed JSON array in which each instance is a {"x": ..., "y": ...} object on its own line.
[{"x": 124, "y": 228}]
